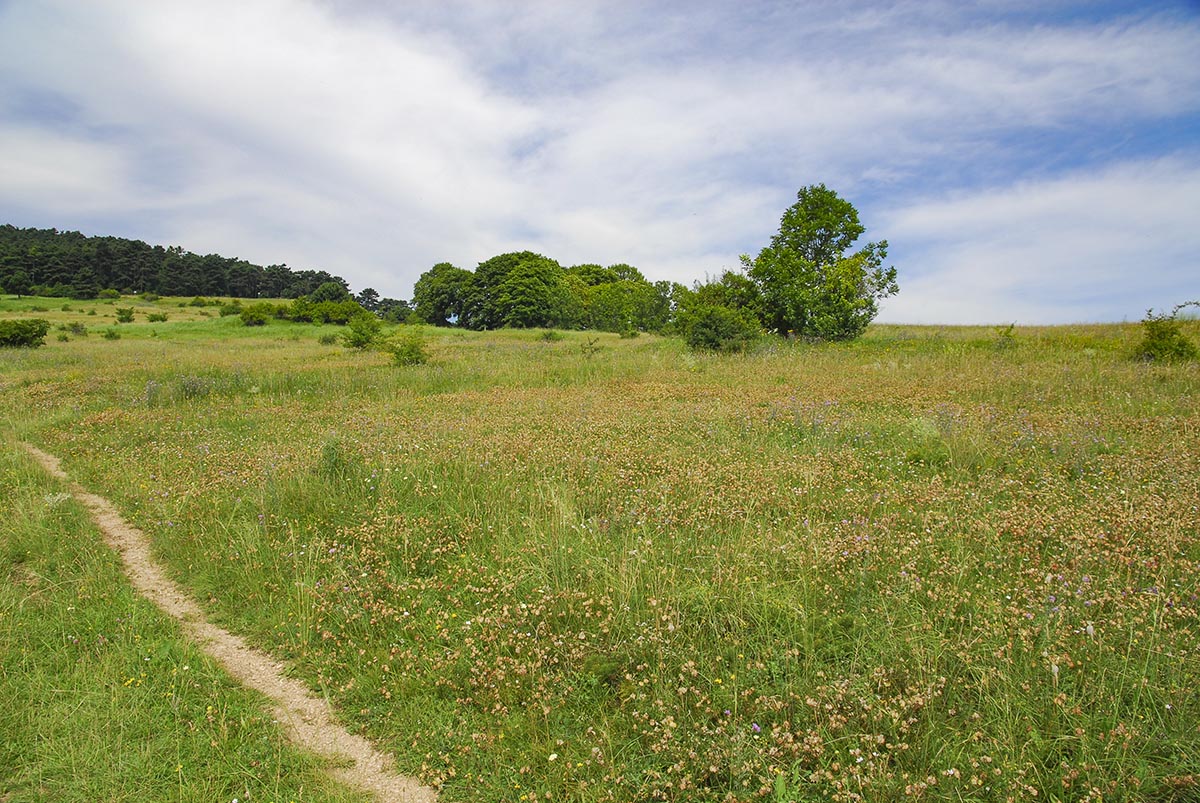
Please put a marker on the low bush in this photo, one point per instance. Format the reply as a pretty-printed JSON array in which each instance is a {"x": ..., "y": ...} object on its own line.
[
  {"x": 710, "y": 327},
  {"x": 24, "y": 333},
  {"x": 112, "y": 334},
  {"x": 362, "y": 331},
  {"x": 257, "y": 314},
  {"x": 124, "y": 314},
  {"x": 410, "y": 350},
  {"x": 157, "y": 317},
  {"x": 108, "y": 293},
  {"x": 1164, "y": 340}
]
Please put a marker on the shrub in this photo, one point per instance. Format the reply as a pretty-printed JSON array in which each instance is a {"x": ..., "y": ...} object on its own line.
[
  {"x": 77, "y": 329},
  {"x": 362, "y": 331},
  {"x": 232, "y": 308},
  {"x": 629, "y": 334},
  {"x": 1164, "y": 340},
  {"x": 150, "y": 296},
  {"x": 327, "y": 339},
  {"x": 157, "y": 317},
  {"x": 111, "y": 334},
  {"x": 63, "y": 337},
  {"x": 24, "y": 333},
  {"x": 709, "y": 327},
  {"x": 257, "y": 314},
  {"x": 1005, "y": 337},
  {"x": 410, "y": 350},
  {"x": 551, "y": 336},
  {"x": 108, "y": 293},
  {"x": 200, "y": 301},
  {"x": 124, "y": 314}
]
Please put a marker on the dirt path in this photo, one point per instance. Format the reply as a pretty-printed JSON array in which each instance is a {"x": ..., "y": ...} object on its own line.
[{"x": 308, "y": 720}]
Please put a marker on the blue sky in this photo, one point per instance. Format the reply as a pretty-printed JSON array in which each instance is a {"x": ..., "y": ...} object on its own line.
[{"x": 1036, "y": 162}]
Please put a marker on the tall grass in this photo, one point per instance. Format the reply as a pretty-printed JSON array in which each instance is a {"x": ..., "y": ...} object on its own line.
[
  {"x": 101, "y": 699},
  {"x": 924, "y": 564}
]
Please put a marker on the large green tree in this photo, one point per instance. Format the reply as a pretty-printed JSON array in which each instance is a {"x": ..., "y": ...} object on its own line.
[
  {"x": 809, "y": 285},
  {"x": 441, "y": 293}
]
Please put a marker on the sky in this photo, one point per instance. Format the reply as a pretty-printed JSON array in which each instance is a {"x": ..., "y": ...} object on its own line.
[{"x": 1028, "y": 161}]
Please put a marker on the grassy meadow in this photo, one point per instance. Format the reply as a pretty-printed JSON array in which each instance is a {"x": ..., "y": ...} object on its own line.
[{"x": 935, "y": 563}]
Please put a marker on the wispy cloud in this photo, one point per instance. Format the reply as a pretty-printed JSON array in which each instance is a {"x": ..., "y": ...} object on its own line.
[{"x": 374, "y": 139}]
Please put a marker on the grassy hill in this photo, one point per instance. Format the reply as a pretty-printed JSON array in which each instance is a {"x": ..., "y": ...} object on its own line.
[{"x": 936, "y": 562}]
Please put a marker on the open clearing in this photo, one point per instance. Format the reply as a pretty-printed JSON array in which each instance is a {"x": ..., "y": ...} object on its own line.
[{"x": 935, "y": 563}]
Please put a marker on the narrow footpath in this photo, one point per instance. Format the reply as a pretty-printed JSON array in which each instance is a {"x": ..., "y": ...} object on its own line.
[{"x": 307, "y": 719}]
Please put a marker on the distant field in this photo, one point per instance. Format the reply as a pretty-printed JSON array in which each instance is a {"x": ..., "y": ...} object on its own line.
[{"x": 933, "y": 563}]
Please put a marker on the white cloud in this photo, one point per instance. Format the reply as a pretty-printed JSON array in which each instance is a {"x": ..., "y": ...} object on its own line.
[
  {"x": 373, "y": 139},
  {"x": 1089, "y": 246}
]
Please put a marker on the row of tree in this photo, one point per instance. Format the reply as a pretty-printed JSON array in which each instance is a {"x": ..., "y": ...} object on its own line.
[
  {"x": 524, "y": 289},
  {"x": 69, "y": 264},
  {"x": 805, "y": 283}
]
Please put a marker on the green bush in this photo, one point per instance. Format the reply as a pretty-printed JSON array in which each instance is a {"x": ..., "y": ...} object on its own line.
[
  {"x": 1164, "y": 340},
  {"x": 328, "y": 339},
  {"x": 410, "y": 350},
  {"x": 551, "y": 336},
  {"x": 77, "y": 329},
  {"x": 108, "y": 293},
  {"x": 709, "y": 327},
  {"x": 362, "y": 331},
  {"x": 24, "y": 333},
  {"x": 157, "y": 317},
  {"x": 257, "y": 314},
  {"x": 111, "y": 334},
  {"x": 124, "y": 314},
  {"x": 232, "y": 308}
]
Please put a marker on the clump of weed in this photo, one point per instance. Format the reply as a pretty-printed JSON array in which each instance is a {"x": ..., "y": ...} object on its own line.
[
  {"x": 194, "y": 387},
  {"x": 78, "y": 329},
  {"x": 590, "y": 347},
  {"x": 338, "y": 463},
  {"x": 111, "y": 334},
  {"x": 1164, "y": 340},
  {"x": 410, "y": 350},
  {"x": 1005, "y": 337},
  {"x": 550, "y": 336},
  {"x": 157, "y": 317},
  {"x": 328, "y": 339},
  {"x": 232, "y": 308},
  {"x": 108, "y": 293},
  {"x": 629, "y": 334},
  {"x": 124, "y": 314}
]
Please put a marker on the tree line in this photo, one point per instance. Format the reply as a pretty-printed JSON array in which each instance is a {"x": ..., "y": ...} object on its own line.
[
  {"x": 805, "y": 283},
  {"x": 48, "y": 262}
]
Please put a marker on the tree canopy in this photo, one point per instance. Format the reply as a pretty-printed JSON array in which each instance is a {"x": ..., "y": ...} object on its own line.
[
  {"x": 809, "y": 285},
  {"x": 67, "y": 263}
]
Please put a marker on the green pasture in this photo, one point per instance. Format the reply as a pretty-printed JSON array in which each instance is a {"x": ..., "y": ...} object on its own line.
[{"x": 939, "y": 563}]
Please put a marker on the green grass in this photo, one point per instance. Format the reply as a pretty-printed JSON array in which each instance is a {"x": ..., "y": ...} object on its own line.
[
  {"x": 934, "y": 562},
  {"x": 102, "y": 700}
]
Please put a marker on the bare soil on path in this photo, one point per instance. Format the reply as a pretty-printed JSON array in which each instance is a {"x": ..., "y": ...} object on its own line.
[{"x": 307, "y": 719}]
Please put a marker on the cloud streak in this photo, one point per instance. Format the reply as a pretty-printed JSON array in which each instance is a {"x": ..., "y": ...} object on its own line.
[{"x": 374, "y": 140}]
